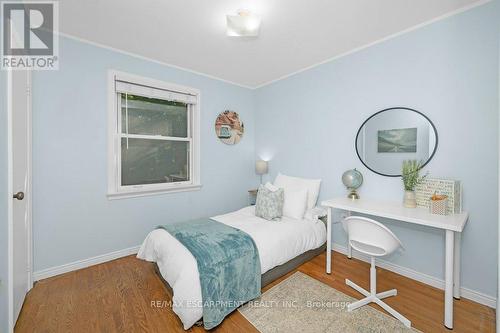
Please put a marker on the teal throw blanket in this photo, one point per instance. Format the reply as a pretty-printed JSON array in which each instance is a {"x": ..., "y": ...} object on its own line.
[{"x": 228, "y": 264}]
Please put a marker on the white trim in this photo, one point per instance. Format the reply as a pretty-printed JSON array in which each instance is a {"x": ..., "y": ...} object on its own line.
[
  {"x": 112, "y": 125},
  {"x": 378, "y": 41},
  {"x": 159, "y": 62},
  {"x": 253, "y": 87},
  {"x": 154, "y": 83},
  {"x": 137, "y": 193},
  {"x": 498, "y": 210},
  {"x": 154, "y": 137},
  {"x": 79, "y": 264},
  {"x": 29, "y": 185},
  {"x": 10, "y": 191},
  {"x": 10, "y": 223},
  {"x": 435, "y": 282},
  {"x": 115, "y": 189},
  {"x": 414, "y": 275}
]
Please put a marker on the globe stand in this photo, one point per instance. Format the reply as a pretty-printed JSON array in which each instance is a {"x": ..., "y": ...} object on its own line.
[
  {"x": 352, "y": 180},
  {"x": 353, "y": 195}
]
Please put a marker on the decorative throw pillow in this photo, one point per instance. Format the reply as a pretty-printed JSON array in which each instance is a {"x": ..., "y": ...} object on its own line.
[
  {"x": 271, "y": 187},
  {"x": 269, "y": 204}
]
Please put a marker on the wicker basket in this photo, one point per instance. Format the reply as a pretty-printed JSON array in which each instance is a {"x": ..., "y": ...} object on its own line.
[{"x": 438, "y": 204}]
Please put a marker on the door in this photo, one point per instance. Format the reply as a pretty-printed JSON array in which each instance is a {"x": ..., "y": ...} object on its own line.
[{"x": 20, "y": 108}]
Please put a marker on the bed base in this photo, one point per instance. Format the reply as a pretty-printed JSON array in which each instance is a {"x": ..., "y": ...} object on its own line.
[{"x": 273, "y": 274}]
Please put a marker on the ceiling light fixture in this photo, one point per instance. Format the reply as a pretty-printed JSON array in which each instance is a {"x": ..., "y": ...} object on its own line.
[{"x": 244, "y": 24}]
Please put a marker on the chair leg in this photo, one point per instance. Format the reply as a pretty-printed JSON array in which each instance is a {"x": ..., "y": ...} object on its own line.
[
  {"x": 360, "y": 303},
  {"x": 373, "y": 277},
  {"x": 372, "y": 296},
  {"x": 356, "y": 287},
  {"x": 388, "y": 293},
  {"x": 394, "y": 313}
]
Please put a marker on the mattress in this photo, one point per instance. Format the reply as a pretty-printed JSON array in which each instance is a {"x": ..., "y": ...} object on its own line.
[{"x": 277, "y": 242}]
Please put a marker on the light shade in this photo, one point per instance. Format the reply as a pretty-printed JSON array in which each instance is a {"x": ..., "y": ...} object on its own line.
[
  {"x": 261, "y": 167},
  {"x": 244, "y": 24}
]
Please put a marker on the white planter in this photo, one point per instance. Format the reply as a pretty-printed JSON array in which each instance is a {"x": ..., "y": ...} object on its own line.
[{"x": 410, "y": 199}]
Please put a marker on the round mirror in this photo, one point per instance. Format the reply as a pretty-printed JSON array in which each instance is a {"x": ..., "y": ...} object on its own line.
[{"x": 393, "y": 135}]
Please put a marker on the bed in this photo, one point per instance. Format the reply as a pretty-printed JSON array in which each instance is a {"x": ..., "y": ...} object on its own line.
[{"x": 282, "y": 245}]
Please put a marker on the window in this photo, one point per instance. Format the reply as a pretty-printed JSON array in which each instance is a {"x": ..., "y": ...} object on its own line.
[{"x": 154, "y": 137}]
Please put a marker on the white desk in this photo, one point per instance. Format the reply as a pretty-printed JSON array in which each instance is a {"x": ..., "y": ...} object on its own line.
[{"x": 452, "y": 224}]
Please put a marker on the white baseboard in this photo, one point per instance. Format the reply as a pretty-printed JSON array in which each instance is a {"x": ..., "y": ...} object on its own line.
[
  {"x": 73, "y": 266},
  {"x": 410, "y": 273},
  {"x": 421, "y": 277}
]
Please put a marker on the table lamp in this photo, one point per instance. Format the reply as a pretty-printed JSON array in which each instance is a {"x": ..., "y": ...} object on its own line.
[{"x": 261, "y": 168}]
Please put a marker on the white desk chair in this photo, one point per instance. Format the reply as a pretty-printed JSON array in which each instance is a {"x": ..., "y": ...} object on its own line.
[{"x": 376, "y": 240}]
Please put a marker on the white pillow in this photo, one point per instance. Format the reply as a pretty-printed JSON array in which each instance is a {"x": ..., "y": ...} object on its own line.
[
  {"x": 293, "y": 184},
  {"x": 295, "y": 203},
  {"x": 315, "y": 213}
]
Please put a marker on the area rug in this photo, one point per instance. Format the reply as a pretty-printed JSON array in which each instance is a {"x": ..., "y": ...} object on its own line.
[{"x": 303, "y": 304}]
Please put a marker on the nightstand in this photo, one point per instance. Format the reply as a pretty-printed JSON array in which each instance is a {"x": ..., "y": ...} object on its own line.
[{"x": 252, "y": 196}]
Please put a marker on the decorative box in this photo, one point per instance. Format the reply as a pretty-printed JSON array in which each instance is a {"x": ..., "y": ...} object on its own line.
[
  {"x": 438, "y": 204},
  {"x": 451, "y": 188}
]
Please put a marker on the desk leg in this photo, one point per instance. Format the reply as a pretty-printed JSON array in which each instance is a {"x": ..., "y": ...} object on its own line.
[
  {"x": 349, "y": 248},
  {"x": 448, "y": 288},
  {"x": 329, "y": 242},
  {"x": 456, "y": 268}
]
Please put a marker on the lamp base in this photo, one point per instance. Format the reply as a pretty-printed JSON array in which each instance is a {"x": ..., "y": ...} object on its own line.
[{"x": 353, "y": 195}]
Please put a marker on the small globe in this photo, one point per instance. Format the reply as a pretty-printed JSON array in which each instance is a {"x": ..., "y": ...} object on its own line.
[{"x": 352, "y": 179}]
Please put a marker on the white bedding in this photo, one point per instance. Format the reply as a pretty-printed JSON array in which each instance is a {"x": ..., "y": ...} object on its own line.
[{"x": 277, "y": 242}]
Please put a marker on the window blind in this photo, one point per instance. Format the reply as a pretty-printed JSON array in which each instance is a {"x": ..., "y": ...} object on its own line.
[{"x": 142, "y": 90}]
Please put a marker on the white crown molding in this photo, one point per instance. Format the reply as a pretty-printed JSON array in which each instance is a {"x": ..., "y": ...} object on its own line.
[
  {"x": 79, "y": 264},
  {"x": 378, "y": 41},
  {"x": 435, "y": 282},
  {"x": 415, "y": 27},
  {"x": 138, "y": 56}
]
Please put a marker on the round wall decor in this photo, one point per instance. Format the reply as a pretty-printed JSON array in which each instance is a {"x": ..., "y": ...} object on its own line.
[{"x": 229, "y": 128}]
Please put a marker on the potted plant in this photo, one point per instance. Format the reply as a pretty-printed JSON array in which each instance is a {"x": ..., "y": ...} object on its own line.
[{"x": 410, "y": 174}]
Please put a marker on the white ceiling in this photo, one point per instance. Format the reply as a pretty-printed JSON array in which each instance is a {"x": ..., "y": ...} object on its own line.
[{"x": 295, "y": 34}]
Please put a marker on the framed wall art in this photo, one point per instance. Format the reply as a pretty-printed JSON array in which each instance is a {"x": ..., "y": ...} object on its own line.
[{"x": 229, "y": 128}]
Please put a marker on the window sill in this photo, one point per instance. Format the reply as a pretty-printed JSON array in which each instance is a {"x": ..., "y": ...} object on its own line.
[{"x": 150, "y": 192}]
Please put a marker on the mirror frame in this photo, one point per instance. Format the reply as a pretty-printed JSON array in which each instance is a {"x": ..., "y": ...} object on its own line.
[{"x": 388, "y": 109}]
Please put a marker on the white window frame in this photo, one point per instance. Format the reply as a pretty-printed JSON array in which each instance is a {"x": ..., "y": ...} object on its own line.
[{"x": 115, "y": 189}]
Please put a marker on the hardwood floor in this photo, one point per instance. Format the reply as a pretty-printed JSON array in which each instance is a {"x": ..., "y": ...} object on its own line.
[{"x": 126, "y": 295}]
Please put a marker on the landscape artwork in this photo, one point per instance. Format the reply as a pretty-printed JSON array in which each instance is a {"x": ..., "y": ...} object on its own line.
[
  {"x": 401, "y": 140},
  {"x": 229, "y": 128}
]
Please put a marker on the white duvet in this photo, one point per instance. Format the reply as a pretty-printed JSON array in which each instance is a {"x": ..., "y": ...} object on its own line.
[{"x": 277, "y": 242}]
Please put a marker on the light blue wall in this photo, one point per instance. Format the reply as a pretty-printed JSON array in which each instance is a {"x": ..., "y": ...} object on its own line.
[
  {"x": 72, "y": 218},
  {"x": 3, "y": 203},
  {"x": 448, "y": 70},
  {"x": 307, "y": 123}
]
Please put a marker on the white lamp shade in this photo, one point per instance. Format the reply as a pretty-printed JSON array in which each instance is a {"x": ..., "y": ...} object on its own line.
[{"x": 261, "y": 167}]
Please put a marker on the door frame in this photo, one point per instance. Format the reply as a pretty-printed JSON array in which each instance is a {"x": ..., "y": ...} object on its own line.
[
  {"x": 10, "y": 191},
  {"x": 498, "y": 212}
]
